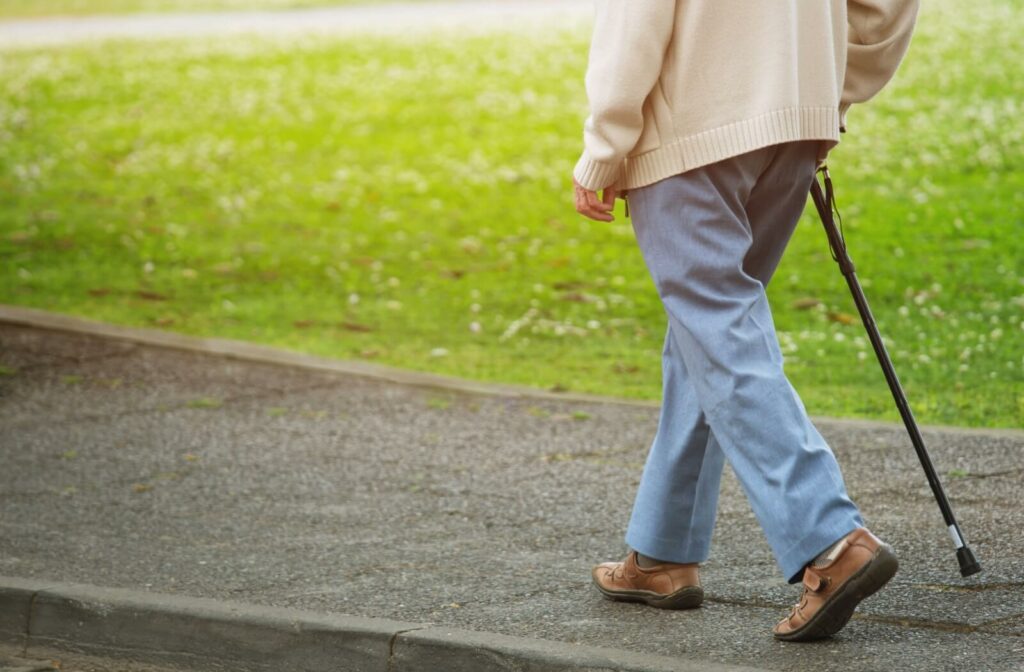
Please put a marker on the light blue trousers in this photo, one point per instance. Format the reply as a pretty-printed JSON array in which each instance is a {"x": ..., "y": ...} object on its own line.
[{"x": 712, "y": 238}]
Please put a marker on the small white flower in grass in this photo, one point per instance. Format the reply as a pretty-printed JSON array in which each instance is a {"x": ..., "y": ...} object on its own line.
[
  {"x": 839, "y": 337},
  {"x": 227, "y": 305},
  {"x": 903, "y": 311},
  {"x": 475, "y": 327},
  {"x": 924, "y": 359},
  {"x": 148, "y": 267},
  {"x": 538, "y": 288},
  {"x": 353, "y": 299},
  {"x": 618, "y": 281},
  {"x": 475, "y": 308},
  {"x": 439, "y": 352},
  {"x": 24, "y": 273},
  {"x": 593, "y": 324},
  {"x": 996, "y": 334},
  {"x": 861, "y": 356},
  {"x": 515, "y": 326},
  {"x": 393, "y": 305},
  {"x": 394, "y": 282},
  {"x": 898, "y": 252},
  {"x": 471, "y": 245},
  {"x": 963, "y": 368}
]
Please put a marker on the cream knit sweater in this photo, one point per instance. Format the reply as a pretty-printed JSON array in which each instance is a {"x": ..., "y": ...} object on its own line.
[{"x": 678, "y": 84}]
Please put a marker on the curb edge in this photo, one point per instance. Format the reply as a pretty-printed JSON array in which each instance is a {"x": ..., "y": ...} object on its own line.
[{"x": 192, "y": 632}]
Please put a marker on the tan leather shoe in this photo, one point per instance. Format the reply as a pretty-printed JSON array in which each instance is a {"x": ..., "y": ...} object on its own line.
[
  {"x": 665, "y": 586},
  {"x": 860, "y": 565}
]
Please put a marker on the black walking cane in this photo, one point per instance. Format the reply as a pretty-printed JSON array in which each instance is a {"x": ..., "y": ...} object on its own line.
[{"x": 825, "y": 203}]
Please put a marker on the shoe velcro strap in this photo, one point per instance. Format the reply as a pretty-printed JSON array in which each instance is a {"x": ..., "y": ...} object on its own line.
[{"x": 814, "y": 582}]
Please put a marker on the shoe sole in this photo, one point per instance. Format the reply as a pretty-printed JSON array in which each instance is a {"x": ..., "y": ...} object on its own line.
[
  {"x": 836, "y": 613},
  {"x": 689, "y": 597}
]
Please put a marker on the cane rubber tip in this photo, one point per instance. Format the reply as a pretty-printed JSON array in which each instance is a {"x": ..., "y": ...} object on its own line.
[{"x": 968, "y": 563}]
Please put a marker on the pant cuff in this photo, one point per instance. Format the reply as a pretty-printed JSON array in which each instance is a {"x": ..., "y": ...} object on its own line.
[
  {"x": 793, "y": 561},
  {"x": 669, "y": 550}
]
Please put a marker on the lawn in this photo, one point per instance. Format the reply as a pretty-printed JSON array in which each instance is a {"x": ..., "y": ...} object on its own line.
[
  {"x": 11, "y": 9},
  {"x": 406, "y": 201}
]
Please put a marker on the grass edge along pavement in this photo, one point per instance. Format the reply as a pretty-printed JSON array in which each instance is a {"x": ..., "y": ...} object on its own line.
[
  {"x": 265, "y": 354},
  {"x": 146, "y": 221},
  {"x": 192, "y": 631}
]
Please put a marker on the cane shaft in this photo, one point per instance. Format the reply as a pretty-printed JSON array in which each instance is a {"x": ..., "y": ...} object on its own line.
[{"x": 823, "y": 204}]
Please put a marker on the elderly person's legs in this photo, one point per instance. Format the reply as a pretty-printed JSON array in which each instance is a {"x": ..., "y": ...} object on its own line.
[
  {"x": 696, "y": 233},
  {"x": 674, "y": 513},
  {"x": 712, "y": 237}
]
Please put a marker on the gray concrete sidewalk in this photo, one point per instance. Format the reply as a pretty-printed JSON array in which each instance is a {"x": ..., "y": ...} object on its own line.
[
  {"x": 399, "y": 18},
  {"x": 172, "y": 472}
]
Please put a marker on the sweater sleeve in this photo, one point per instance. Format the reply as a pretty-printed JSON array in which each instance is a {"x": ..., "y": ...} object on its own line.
[
  {"x": 878, "y": 39},
  {"x": 626, "y": 55}
]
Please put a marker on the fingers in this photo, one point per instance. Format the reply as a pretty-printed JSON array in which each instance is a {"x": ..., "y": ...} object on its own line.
[
  {"x": 589, "y": 205},
  {"x": 608, "y": 197}
]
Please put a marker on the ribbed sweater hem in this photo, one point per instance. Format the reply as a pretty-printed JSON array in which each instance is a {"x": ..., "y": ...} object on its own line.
[
  {"x": 718, "y": 144},
  {"x": 788, "y": 125}
]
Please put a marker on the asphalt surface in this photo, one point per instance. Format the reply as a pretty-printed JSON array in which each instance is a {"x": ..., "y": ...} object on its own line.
[{"x": 153, "y": 469}]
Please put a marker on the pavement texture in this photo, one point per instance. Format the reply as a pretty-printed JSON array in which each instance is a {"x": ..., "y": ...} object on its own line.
[
  {"x": 383, "y": 19},
  {"x": 176, "y": 473}
]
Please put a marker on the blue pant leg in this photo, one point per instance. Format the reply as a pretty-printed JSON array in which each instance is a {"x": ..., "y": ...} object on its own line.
[
  {"x": 695, "y": 234},
  {"x": 677, "y": 500},
  {"x": 676, "y": 503}
]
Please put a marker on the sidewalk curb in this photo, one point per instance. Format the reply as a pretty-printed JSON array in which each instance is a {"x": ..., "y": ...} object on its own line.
[
  {"x": 250, "y": 352},
  {"x": 193, "y": 632}
]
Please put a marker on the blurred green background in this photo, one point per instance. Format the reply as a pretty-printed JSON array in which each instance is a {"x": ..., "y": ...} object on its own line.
[
  {"x": 38, "y": 8},
  {"x": 406, "y": 200}
]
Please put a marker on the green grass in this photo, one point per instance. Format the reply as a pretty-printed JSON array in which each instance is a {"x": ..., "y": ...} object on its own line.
[
  {"x": 407, "y": 201},
  {"x": 19, "y": 9}
]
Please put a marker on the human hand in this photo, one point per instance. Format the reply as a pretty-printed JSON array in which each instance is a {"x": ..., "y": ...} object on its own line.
[{"x": 589, "y": 205}]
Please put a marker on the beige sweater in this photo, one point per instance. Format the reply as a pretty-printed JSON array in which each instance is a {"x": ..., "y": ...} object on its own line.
[{"x": 678, "y": 84}]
